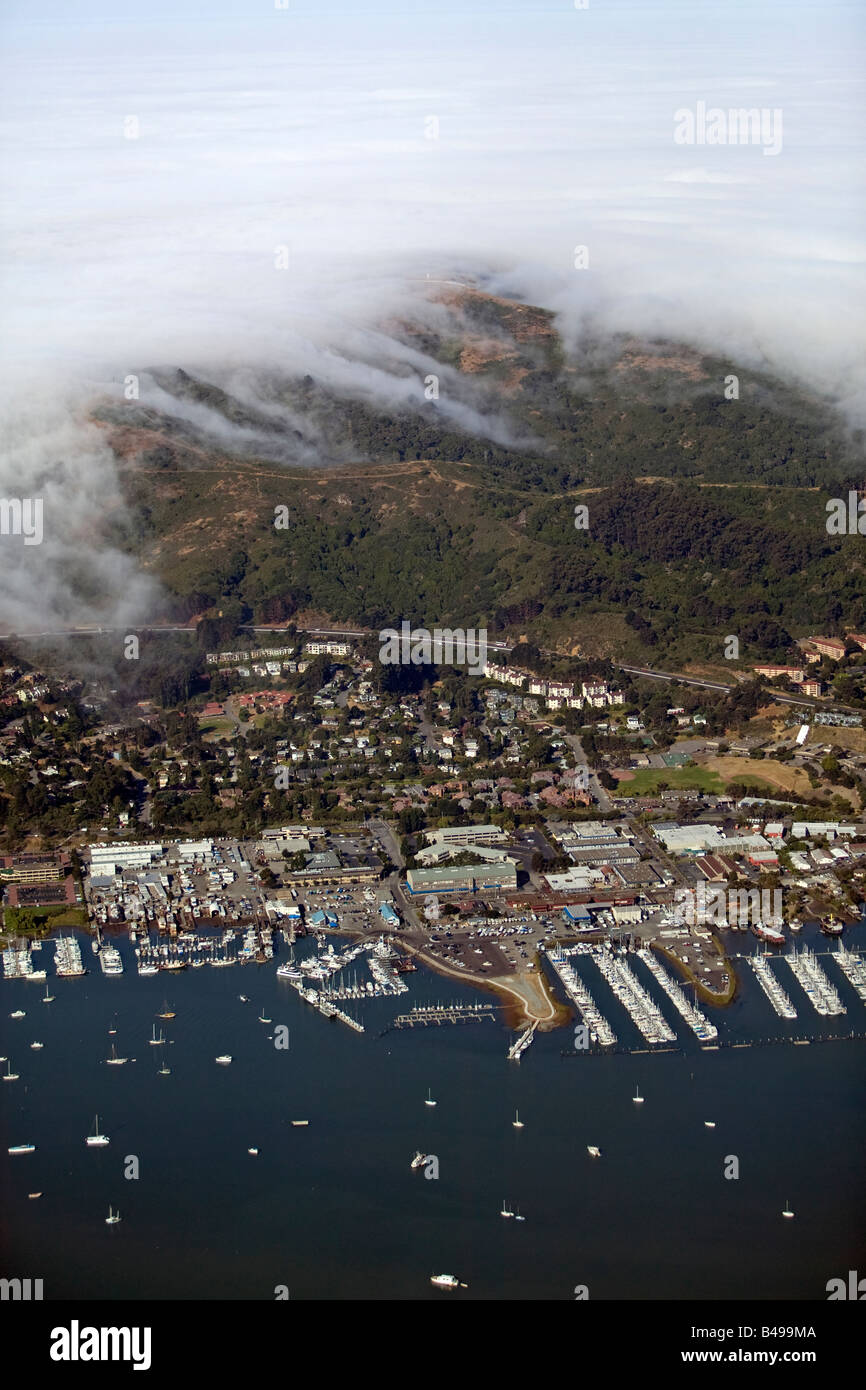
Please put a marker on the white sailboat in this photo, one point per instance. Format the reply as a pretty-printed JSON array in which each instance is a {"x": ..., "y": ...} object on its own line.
[
  {"x": 637, "y": 1097},
  {"x": 787, "y": 1212},
  {"x": 593, "y": 1151},
  {"x": 9, "y": 1074},
  {"x": 112, "y": 1218},
  {"x": 97, "y": 1140},
  {"x": 517, "y": 1122},
  {"x": 429, "y": 1100},
  {"x": 47, "y": 998},
  {"x": 709, "y": 1124},
  {"x": 505, "y": 1212},
  {"x": 156, "y": 1041},
  {"x": 114, "y": 1060}
]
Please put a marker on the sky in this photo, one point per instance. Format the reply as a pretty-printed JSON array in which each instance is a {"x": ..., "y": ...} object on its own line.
[{"x": 214, "y": 185}]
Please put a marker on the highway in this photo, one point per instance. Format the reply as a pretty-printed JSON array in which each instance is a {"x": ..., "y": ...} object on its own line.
[{"x": 646, "y": 672}]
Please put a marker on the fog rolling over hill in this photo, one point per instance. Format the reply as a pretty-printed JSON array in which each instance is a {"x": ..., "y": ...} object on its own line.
[{"x": 227, "y": 244}]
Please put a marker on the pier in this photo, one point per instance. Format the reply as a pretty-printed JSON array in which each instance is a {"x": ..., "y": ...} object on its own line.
[
  {"x": 517, "y": 1048},
  {"x": 699, "y": 1024},
  {"x": 600, "y": 1030},
  {"x": 645, "y": 1014},
  {"x": 771, "y": 987},
  {"x": 423, "y": 1015},
  {"x": 853, "y": 969}
]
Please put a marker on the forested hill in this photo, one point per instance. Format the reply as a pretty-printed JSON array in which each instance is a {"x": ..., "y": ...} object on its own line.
[{"x": 704, "y": 513}]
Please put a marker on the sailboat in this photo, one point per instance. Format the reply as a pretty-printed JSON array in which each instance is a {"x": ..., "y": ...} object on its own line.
[
  {"x": 505, "y": 1211},
  {"x": 517, "y": 1122},
  {"x": 787, "y": 1212},
  {"x": 97, "y": 1140},
  {"x": 262, "y": 1019},
  {"x": 114, "y": 1060},
  {"x": 429, "y": 1100},
  {"x": 637, "y": 1097},
  {"x": 709, "y": 1124},
  {"x": 9, "y": 1074},
  {"x": 517, "y": 1215},
  {"x": 156, "y": 1041},
  {"x": 166, "y": 1011},
  {"x": 112, "y": 1218},
  {"x": 47, "y": 998},
  {"x": 163, "y": 1070}
]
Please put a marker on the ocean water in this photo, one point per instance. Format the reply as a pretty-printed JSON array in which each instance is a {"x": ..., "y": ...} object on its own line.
[{"x": 333, "y": 1211}]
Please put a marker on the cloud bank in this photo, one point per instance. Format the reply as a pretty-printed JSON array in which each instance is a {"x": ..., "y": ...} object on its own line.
[{"x": 237, "y": 192}]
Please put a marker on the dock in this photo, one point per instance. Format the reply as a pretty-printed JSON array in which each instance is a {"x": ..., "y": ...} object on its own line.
[
  {"x": 517, "y": 1048},
  {"x": 424, "y": 1015}
]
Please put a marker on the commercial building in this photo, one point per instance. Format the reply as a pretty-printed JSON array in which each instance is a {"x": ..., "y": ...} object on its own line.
[
  {"x": 466, "y": 835},
  {"x": 113, "y": 859},
  {"x": 473, "y": 879}
]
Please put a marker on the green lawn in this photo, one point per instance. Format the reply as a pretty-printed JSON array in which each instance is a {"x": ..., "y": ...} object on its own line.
[{"x": 646, "y": 780}]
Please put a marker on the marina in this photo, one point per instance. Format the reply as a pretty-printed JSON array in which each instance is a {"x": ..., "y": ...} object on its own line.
[
  {"x": 644, "y": 1013},
  {"x": 771, "y": 987},
  {"x": 600, "y": 1030},
  {"x": 852, "y": 968},
  {"x": 699, "y": 1024},
  {"x": 822, "y": 995}
]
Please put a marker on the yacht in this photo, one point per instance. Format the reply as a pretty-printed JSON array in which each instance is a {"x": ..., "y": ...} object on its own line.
[
  {"x": 429, "y": 1100},
  {"x": 19, "y": 1013},
  {"x": 300, "y": 1122},
  {"x": 593, "y": 1151},
  {"x": 22, "y": 1148},
  {"x": 709, "y": 1124},
  {"x": 112, "y": 1218},
  {"x": 34, "y": 1195},
  {"x": 444, "y": 1281},
  {"x": 155, "y": 1041},
  {"x": 114, "y": 1060},
  {"x": 517, "y": 1122},
  {"x": 505, "y": 1212},
  {"x": 97, "y": 1140},
  {"x": 37, "y": 1046},
  {"x": 419, "y": 1160},
  {"x": 252, "y": 1151},
  {"x": 224, "y": 1059}
]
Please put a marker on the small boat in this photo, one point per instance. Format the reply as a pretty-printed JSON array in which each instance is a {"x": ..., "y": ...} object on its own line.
[
  {"x": 300, "y": 1122},
  {"x": 243, "y": 998},
  {"x": 445, "y": 1281},
  {"x": 709, "y": 1124},
  {"x": 795, "y": 924},
  {"x": 37, "y": 1046},
  {"x": 97, "y": 1140},
  {"x": 166, "y": 1011},
  {"x": 163, "y": 1070},
  {"x": 22, "y": 1149},
  {"x": 637, "y": 1097},
  {"x": 47, "y": 998},
  {"x": 517, "y": 1215},
  {"x": 505, "y": 1212},
  {"x": 156, "y": 1041},
  {"x": 112, "y": 1218},
  {"x": 593, "y": 1151},
  {"x": 34, "y": 1195},
  {"x": 252, "y": 1151},
  {"x": 262, "y": 1019},
  {"x": 787, "y": 1212},
  {"x": 19, "y": 1013},
  {"x": 114, "y": 1060},
  {"x": 224, "y": 1059},
  {"x": 9, "y": 1074},
  {"x": 419, "y": 1160},
  {"x": 517, "y": 1122},
  {"x": 429, "y": 1100}
]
